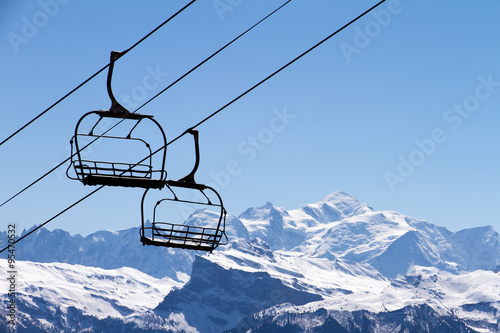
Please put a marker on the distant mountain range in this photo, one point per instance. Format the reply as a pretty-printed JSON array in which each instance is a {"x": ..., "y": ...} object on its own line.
[{"x": 332, "y": 266}]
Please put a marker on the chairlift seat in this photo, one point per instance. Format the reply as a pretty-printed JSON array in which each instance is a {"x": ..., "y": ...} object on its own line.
[
  {"x": 183, "y": 236},
  {"x": 122, "y": 181},
  {"x": 116, "y": 174}
]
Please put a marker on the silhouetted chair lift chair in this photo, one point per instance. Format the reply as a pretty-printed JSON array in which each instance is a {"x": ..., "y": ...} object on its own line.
[
  {"x": 144, "y": 174},
  {"x": 184, "y": 236},
  {"x": 113, "y": 172}
]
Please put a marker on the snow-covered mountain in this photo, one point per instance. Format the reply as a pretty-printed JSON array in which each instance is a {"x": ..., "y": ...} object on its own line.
[
  {"x": 104, "y": 249},
  {"x": 339, "y": 226},
  {"x": 335, "y": 265}
]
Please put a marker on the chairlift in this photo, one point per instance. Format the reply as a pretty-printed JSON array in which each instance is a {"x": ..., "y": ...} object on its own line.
[
  {"x": 114, "y": 171},
  {"x": 190, "y": 234},
  {"x": 149, "y": 174}
]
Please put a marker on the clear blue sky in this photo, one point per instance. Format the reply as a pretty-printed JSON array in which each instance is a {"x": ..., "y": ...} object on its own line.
[{"x": 401, "y": 109}]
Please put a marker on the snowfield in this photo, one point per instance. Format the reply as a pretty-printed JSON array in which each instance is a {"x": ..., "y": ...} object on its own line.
[{"x": 96, "y": 291}]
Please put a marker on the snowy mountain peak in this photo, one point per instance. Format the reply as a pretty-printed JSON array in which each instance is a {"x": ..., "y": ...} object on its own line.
[
  {"x": 265, "y": 222},
  {"x": 344, "y": 203},
  {"x": 266, "y": 212}
]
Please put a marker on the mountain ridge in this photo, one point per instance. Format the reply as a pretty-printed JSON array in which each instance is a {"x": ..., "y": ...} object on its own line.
[
  {"x": 337, "y": 263},
  {"x": 354, "y": 231}
]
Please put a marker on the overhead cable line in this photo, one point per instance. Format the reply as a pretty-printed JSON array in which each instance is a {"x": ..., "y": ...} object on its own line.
[
  {"x": 214, "y": 54},
  {"x": 52, "y": 218},
  {"x": 211, "y": 115},
  {"x": 94, "y": 75},
  {"x": 281, "y": 68},
  {"x": 140, "y": 107}
]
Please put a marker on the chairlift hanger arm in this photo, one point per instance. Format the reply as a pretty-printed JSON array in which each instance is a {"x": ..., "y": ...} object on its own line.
[
  {"x": 117, "y": 110},
  {"x": 115, "y": 106},
  {"x": 190, "y": 177}
]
